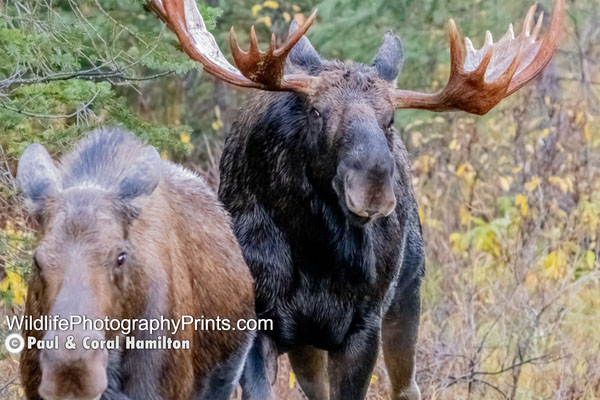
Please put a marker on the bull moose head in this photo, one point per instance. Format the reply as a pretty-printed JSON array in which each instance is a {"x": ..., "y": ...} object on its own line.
[{"x": 350, "y": 107}]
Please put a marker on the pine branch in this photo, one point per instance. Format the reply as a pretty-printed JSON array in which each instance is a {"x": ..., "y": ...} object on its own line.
[{"x": 50, "y": 116}]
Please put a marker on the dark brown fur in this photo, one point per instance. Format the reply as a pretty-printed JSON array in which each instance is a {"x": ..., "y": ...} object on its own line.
[{"x": 319, "y": 190}]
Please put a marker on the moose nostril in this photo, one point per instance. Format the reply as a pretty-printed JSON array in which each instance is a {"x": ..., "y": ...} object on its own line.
[{"x": 372, "y": 213}]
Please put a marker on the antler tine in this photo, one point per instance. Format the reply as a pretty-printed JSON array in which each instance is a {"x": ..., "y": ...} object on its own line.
[
  {"x": 292, "y": 39},
  {"x": 480, "y": 79},
  {"x": 538, "y": 27},
  {"x": 266, "y": 67},
  {"x": 159, "y": 9},
  {"x": 543, "y": 52},
  {"x": 457, "y": 51},
  {"x": 258, "y": 70},
  {"x": 487, "y": 58},
  {"x": 529, "y": 20}
]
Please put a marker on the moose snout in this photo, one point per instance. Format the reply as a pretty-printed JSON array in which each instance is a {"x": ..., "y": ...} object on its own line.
[
  {"x": 369, "y": 191},
  {"x": 364, "y": 180},
  {"x": 75, "y": 374}
]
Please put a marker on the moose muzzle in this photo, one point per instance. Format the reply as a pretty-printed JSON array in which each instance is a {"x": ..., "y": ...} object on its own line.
[
  {"x": 368, "y": 172},
  {"x": 77, "y": 374},
  {"x": 368, "y": 196},
  {"x": 74, "y": 372}
]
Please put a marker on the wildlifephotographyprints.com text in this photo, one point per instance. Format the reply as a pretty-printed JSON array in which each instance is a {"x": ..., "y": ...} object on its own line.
[{"x": 157, "y": 332}]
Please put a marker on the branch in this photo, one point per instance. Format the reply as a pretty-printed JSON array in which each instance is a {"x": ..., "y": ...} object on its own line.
[
  {"x": 50, "y": 116},
  {"x": 476, "y": 380},
  {"x": 89, "y": 74},
  {"x": 503, "y": 370}
]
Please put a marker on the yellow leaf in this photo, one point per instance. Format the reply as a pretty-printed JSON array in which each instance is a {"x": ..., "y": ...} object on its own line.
[
  {"x": 271, "y": 4},
  {"x": 184, "y": 138},
  {"x": 266, "y": 20},
  {"x": 458, "y": 244},
  {"x": 426, "y": 162},
  {"x": 465, "y": 215},
  {"x": 10, "y": 230},
  {"x": 255, "y": 9},
  {"x": 287, "y": 17},
  {"x": 554, "y": 264},
  {"x": 590, "y": 258},
  {"x": 454, "y": 145},
  {"x": 420, "y": 215},
  {"x": 461, "y": 170},
  {"x": 563, "y": 184},
  {"x": 586, "y": 132},
  {"x": 292, "y": 380},
  {"x": 545, "y": 133},
  {"x": 374, "y": 379},
  {"x": 521, "y": 201},
  {"x": 532, "y": 184},
  {"x": 164, "y": 155},
  {"x": 485, "y": 240},
  {"x": 17, "y": 286},
  {"x": 505, "y": 182},
  {"x": 466, "y": 172}
]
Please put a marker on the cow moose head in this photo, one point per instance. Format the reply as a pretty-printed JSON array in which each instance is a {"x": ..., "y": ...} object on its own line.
[{"x": 83, "y": 264}]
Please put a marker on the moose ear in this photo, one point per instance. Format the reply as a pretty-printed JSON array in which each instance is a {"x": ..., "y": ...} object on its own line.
[
  {"x": 390, "y": 58},
  {"x": 303, "y": 54},
  {"x": 143, "y": 177},
  {"x": 37, "y": 177}
]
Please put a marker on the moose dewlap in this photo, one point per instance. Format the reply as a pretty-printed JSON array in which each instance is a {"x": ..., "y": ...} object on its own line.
[{"x": 126, "y": 235}]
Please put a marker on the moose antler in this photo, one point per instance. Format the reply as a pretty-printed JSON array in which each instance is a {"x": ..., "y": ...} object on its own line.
[
  {"x": 255, "y": 69},
  {"x": 480, "y": 79}
]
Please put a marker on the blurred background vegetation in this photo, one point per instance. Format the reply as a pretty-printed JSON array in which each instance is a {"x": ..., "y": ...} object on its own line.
[{"x": 510, "y": 202}]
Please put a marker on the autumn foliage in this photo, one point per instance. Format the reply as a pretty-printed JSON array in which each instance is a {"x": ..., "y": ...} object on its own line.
[{"x": 509, "y": 202}]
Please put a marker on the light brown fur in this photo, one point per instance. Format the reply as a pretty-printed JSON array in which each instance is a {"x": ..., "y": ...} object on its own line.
[{"x": 183, "y": 260}]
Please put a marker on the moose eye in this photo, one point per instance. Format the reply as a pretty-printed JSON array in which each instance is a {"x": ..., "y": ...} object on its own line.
[
  {"x": 314, "y": 113},
  {"x": 316, "y": 120},
  {"x": 121, "y": 258},
  {"x": 391, "y": 123}
]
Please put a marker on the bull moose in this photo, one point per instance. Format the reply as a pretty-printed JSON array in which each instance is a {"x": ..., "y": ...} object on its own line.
[
  {"x": 124, "y": 234},
  {"x": 318, "y": 184}
]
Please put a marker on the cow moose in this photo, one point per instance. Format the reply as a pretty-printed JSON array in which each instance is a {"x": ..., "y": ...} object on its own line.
[
  {"x": 126, "y": 235},
  {"x": 318, "y": 184}
]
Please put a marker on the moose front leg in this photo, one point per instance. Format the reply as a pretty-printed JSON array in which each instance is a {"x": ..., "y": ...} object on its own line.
[
  {"x": 260, "y": 370},
  {"x": 310, "y": 366},
  {"x": 351, "y": 367},
  {"x": 400, "y": 330}
]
